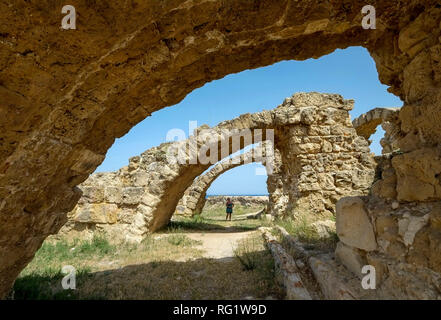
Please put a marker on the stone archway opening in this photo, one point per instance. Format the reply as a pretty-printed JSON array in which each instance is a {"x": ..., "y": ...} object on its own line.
[
  {"x": 65, "y": 106},
  {"x": 250, "y": 208}
]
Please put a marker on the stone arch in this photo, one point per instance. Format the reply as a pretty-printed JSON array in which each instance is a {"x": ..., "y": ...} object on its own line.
[
  {"x": 67, "y": 95},
  {"x": 367, "y": 123},
  {"x": 194, "y": 197}
]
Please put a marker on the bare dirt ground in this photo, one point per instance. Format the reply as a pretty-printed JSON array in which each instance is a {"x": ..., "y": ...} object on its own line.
[{"x": 218, "y": 245}]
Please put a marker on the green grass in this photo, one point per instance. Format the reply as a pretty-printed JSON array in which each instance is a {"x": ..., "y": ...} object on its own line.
[
  {"x": 47, "y": 285},
  {"x": 213, "y": 218},
  {"x": 211, "y": 212},
  {"x": 78, "y": 249},
  {"x": 190, "y": 223},
  {"x": 181, "y": 240},
  {"x": 117, "y": 271}
]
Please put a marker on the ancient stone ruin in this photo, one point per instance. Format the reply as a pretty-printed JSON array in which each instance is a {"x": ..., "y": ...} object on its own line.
[
  {"x": 366, "y": 125},
  {"x": 318, "y": 157},
  {"x": 395, "y": 228},
  {"x": 66, "y": 96},
  {"x": 193, "y": 201}
]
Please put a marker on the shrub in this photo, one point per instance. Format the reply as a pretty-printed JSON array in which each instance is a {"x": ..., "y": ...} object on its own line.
[{"x": 247, "y": 252}]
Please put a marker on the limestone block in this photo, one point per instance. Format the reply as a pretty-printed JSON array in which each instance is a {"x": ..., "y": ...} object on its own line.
[
  {"x": 319, "y": 130},
  {"x": 326, "y": 147},
  {"x": 97, "y": 213},
  {"x": 418, "y": 175},
  {"x": 306, "y": 148},
  {"x": 125, "y": 215},
  {"x": 308, "y": 115},
  {"x": 150, "y": 200},
  {"x": 362, "y": 178},
  {"x": 140, "y": 178},
  {"x": 343, "y": 179},
  {"x": 326, "y": 181},
  {"x": 93, "y": 194},
  {"x": 324, "y": 228},
  {"x": 387, "y": 186},
  {"x": 353, "y": 225},
  {"x": 331, "y": 284}
]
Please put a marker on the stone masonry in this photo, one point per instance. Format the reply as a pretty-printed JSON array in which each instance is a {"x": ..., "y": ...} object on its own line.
[
  {"x": 66, "y": 96},
  {"x": 194, "y": 197},
  {"x": 319, "y": 159}
]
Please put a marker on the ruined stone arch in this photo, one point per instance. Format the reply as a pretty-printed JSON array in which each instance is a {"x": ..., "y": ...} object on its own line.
[
  {"x": 367, "y": 124},
  {"x": 194, "y": 197},
  {"x": 67, "y": 95}
]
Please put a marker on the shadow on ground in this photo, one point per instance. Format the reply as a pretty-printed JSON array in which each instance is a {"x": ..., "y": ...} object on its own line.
[{"x": 215, "y": 279}]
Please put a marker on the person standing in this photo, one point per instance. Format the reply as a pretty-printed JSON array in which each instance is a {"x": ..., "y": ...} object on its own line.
[{"x": 229, "y": 210}]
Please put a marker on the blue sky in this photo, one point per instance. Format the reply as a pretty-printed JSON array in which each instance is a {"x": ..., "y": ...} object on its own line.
[{"x": 350, "y": 72}]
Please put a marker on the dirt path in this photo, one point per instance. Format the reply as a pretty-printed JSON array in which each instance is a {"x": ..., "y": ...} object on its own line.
[{"x": 219, "y": 245}]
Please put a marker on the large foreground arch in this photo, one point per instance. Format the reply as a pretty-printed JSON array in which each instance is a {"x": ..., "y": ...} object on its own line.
[{"x": 66, "y": 95}]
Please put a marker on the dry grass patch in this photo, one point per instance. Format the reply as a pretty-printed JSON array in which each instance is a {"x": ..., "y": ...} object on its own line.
[
  {"x": 301, "y": 228},
  {"x": 163, "y": 266}
]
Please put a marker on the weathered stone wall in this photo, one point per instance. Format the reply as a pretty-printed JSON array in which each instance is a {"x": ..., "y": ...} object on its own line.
[
  {"x": 397, "y": 228},
  {"x": 321, "y": 159},
  {"x": 67, "y": 95}
]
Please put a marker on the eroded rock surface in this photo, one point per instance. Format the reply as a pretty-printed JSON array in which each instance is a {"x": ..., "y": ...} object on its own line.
[{"x": 407, "y": 257}]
